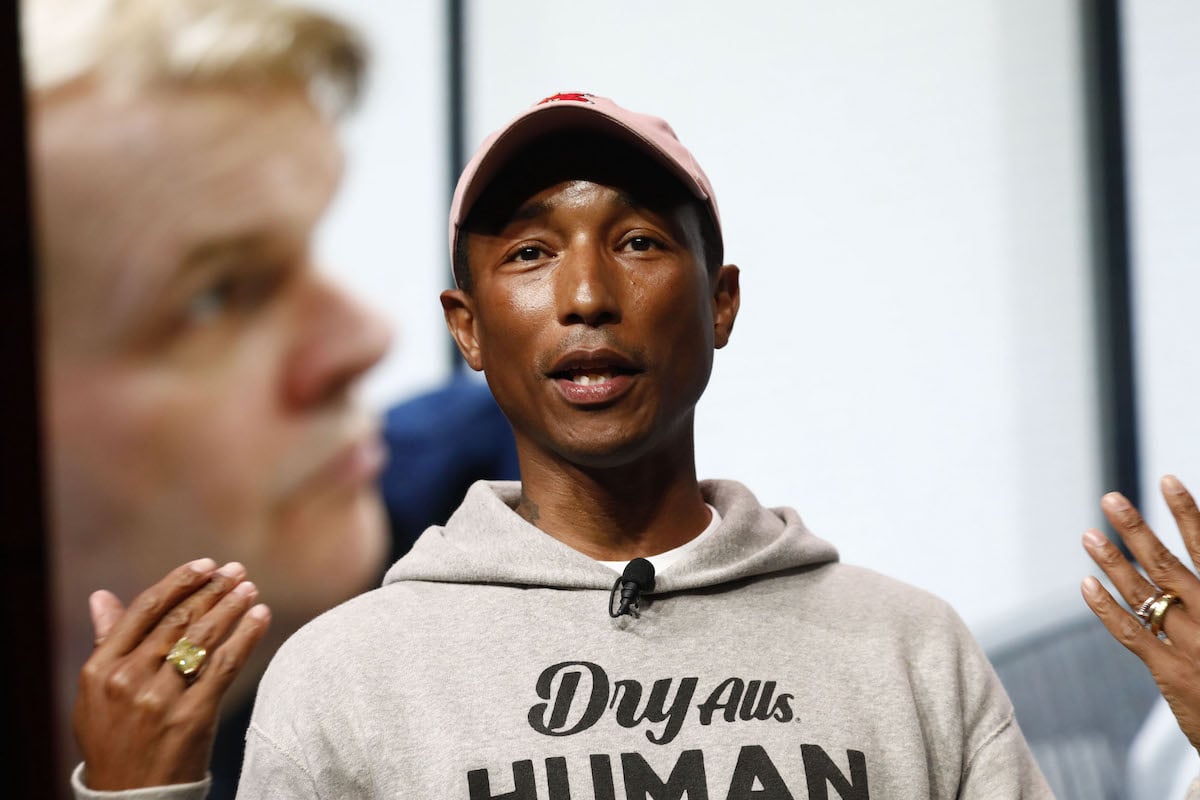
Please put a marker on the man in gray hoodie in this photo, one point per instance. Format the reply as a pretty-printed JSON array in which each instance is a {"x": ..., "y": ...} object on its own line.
[{"x": 516, "y": 652}]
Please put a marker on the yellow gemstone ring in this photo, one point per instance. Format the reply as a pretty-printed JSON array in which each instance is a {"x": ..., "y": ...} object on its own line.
[{"x": 186, "y": 657}]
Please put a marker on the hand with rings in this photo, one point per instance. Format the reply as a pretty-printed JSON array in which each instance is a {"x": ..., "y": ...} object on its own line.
[
  {"x": 1163, "y": 626},
  {"x": 149, "y": 695}
]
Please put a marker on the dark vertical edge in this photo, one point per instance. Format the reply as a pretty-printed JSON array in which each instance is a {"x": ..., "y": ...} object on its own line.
[
  {"x": 456, "y": 133},
  {"x": 455, "y": 90},
  {"x": 1111, "y": 247},
  {"x": 25, "y": 668}
]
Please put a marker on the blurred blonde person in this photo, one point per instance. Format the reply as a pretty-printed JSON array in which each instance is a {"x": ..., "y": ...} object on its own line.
[{"x": 197, "y": 367}]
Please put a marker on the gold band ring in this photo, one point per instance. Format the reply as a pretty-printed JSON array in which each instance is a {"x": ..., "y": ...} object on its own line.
[
  {"x": 1158, "y": 610},
  {"x": 186, "y": 657}
]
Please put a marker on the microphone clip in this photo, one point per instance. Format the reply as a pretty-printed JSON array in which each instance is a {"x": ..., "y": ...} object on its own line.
[{"x": 638, "y": 577}]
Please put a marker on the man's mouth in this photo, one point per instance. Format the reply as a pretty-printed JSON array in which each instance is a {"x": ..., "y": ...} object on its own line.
[
  {"x": 594, "y": 377},
  {"x": 590, "y": 376}
]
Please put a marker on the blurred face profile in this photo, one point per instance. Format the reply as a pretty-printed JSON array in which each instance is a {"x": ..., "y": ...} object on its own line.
[{"x": 198, "y": 370}]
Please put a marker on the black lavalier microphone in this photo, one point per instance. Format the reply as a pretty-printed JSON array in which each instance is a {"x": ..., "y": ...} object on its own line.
[{"x": 638, "y": 577}]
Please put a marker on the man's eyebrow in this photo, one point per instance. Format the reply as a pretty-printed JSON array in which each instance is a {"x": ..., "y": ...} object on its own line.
[
  {"x": 137, "y": 289},
  {"x": 536, "y": 208},
  {"x": 216, "y": 250},
  {"x": 626, "y": 199},
  {"x": 531, "y": 210}
]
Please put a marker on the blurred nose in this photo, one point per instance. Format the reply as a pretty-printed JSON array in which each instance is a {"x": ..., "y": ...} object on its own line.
[
  {"x": 588, "y": 287},
  {"x": 339, "y": 340}
]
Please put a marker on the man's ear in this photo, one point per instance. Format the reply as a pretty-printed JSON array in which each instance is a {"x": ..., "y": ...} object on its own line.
[
  {"x": 459, "y": 308},
  {"x": 727, "y": 298}
]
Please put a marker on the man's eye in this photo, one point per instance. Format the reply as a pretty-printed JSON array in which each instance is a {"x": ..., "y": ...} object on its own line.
[
  {"x": 641, "y": 243},
  {"x": 530, "y": 253},
  {"x": 237, "y": 293},
  {"x": 211, "y": 302}
]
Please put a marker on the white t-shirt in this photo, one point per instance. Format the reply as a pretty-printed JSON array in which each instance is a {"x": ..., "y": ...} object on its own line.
[{"x": 663, "y": 561}]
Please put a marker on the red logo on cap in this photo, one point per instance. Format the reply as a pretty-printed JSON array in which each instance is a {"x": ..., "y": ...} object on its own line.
[{"x": 578, "y": 97}]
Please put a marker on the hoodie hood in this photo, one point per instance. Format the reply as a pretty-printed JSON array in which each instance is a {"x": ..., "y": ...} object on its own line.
[{"x": 487, "y": 542}]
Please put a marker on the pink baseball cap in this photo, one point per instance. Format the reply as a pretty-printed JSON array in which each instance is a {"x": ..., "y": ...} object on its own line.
[{"x": 578, "y": 110}]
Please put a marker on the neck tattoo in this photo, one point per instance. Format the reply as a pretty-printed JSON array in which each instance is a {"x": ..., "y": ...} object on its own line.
[{"x": 528, "y": 509}]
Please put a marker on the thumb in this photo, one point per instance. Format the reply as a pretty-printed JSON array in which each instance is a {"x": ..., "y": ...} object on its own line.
[{"x": 106, "y": 611}]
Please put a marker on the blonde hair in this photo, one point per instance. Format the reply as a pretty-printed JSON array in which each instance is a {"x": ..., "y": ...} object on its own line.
[{"x": 135, "y": 44}]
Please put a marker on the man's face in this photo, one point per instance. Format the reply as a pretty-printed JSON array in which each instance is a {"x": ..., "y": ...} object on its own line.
[
  {"x": 595, "y": 319},
  {"x": 197, "y": 367}
]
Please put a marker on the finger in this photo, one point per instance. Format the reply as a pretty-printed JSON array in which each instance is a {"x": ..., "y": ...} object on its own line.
[
  {"x": 191, "y": 608},
  {"x": 226, "y": 662},
  {"x": 1187, "y": 517},
  {"x": 1124, "y": 626},
  {"x": 206, "y": 633},
  {"x": 151, "y": 605},
  {"x": 1160, "y": 563},
  {"x": 1129, "y": 582},
  {"x": 1177, "y": 624},
  {"x": 106, "y": 610},
  {"x": 212, "y": 628}
]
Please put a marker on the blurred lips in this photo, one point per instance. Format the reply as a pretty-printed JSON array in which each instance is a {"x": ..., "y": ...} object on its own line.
[
  {"x": 358, "y": 462},
  {"x": 354, "y": 460}
]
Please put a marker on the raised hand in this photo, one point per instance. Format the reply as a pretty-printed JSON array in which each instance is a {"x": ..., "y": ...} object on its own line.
[
  {"x": 1166, "y": 604},
  {"x": 140, "y": 721}
]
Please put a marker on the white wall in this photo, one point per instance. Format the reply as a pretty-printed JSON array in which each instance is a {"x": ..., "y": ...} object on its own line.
[
  {"x": 385, "y": 234},
  {"x": 1162, "y": 103},
  {"x": 903, "y": 185}
]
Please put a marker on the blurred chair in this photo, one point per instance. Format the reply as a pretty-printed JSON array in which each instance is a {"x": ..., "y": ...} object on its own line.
[{"x": 1080, "y": 697}]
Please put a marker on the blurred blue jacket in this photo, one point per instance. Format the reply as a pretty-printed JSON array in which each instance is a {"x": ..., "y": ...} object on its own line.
[{"x": 439, "y": 444}]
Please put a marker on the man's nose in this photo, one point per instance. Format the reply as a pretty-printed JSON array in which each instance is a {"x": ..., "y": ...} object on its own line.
[
  {"x": 340, "y": 339},
  {"x": 588, "y": 287}
]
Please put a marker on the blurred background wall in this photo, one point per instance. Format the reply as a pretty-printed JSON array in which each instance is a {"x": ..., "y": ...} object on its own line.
[
  {"x": 919, "y": 366},
  {"x": 1162, "y": 78}
]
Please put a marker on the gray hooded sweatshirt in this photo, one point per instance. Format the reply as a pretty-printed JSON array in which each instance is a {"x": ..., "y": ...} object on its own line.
[{"x": 487, "y": 666}]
